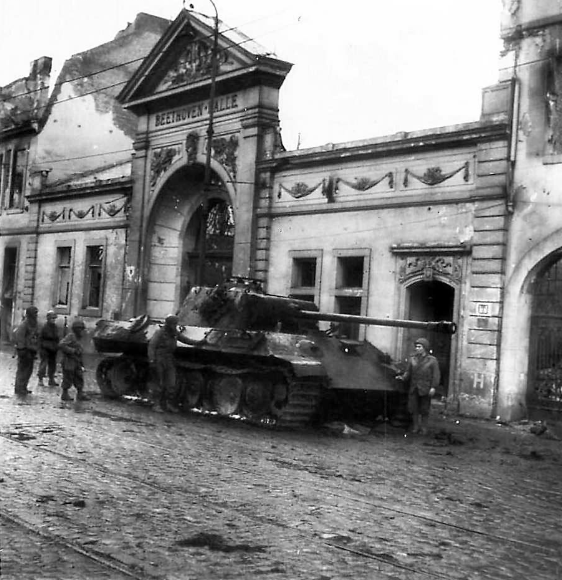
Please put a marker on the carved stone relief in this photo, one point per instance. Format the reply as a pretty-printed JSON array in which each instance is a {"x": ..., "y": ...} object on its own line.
[
  {"x": 435, "y": 175},
  {"x": 225, "y": 151},
  {"x": 429, "y": 266},
  {"x": 161, "y": 161}
]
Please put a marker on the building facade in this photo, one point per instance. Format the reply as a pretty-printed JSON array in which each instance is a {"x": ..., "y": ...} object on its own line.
[
  {"x": 66, "y": 182},
  {"x": 530, "y": 380},
  {"x": 192, "y": 185}
]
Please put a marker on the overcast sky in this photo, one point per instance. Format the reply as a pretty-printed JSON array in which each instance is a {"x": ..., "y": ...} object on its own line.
[{"x": 362, "y": 68}]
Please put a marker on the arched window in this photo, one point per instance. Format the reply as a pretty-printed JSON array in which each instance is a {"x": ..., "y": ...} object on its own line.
[
  {"x": 208, "y": 260},
  {"x": 545, "y": 370}
]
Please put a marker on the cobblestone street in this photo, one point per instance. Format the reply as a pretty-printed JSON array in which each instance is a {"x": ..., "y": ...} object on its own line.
[{"x": 103, "y": 489}]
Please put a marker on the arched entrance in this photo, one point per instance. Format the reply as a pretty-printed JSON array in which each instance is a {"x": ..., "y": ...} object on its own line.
[
  {"x": 544, "y": 386},
  {"x": 431, "y": 300},
  {"x": 191, "y": 237}
]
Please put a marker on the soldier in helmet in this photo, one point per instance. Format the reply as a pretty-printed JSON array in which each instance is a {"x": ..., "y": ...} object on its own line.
[
  {"x": 424, "y": 377},
  {"x": 72, "y": 363},
  {"x": 161, "y": 350},
  {"x": 26, "y": 339},
  {"x": 48, "y": 347}
]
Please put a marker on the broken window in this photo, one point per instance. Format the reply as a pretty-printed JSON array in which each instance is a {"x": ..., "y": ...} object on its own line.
[
  {"x": 93, "y": 277},
  {"x": 554, "y": 107},
  {"x": 64, "y": 256},
  {"x": 305, "y": 275},
  {"x": 351, "y": 289},
  {"x": 13, "y": 166}
]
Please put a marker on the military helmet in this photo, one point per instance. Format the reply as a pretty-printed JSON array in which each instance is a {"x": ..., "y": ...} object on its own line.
[
  {"x": 78, "y": 323},
  {"x": 32, "y": 311},
  {"x": 51, "y": 314},
  {"x": 171, "y": 320},
  {"x": 424, "y": 342}
]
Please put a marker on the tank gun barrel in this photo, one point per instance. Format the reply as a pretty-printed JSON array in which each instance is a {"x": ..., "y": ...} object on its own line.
[{"x": 443, "y": 326}]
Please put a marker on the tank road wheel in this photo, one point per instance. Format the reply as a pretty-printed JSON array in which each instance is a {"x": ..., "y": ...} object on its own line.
[
  {"x": 103, "y": 378},
  {"x": 191, "y": 388},
  {"x": 226, "y": 393},
  {"x": 257, "y": 397},
  {"x": 123, "y": 377}
]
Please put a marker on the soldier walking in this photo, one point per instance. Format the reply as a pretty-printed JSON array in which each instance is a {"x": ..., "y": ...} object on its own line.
[
  {"x": 72, "y": 362},
  {"x": 48, "y": 348},
  {"x": 26, "y": 339}
]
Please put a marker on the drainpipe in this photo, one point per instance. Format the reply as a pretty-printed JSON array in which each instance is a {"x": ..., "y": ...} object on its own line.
[{"x": 142, "y": 230}]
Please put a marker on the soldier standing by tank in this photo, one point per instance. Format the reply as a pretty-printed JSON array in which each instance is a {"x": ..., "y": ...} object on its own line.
[
  {"x": 424, "y": 377},
  {"x": 26, "y": 337},
  {"x": 72, "y": 363},
  {"x": 48, "y": 348},
  {"x": 161, "y": 349}
]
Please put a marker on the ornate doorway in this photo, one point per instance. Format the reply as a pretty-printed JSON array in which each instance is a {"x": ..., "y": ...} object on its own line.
[
  {"x": 431, "y": 300},
  {"x": 544, "y": 389}
]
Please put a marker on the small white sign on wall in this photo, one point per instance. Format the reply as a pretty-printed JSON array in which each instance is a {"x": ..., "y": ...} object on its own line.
[{"x": 483, "y": 309}]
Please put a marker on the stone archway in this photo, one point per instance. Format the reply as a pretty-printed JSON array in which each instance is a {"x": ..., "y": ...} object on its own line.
[
  {"x": 516, "y": 327},
  {"x": 174, "y": 229}
]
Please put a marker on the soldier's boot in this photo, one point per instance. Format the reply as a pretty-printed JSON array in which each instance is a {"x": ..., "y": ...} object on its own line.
[
  {"x": 40, "y": 382},
  {"x": 65, "y": 396},
  {"x": 424, "y": 421},
  {"x": 82, "y": 397},
  {"x": 52, "y": 382},
  {"x": 171, "y": 407},
  {"x": 416, "y": 424}
]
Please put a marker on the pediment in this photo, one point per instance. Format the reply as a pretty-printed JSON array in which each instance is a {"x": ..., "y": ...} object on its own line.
[{"x": 182, "y": 60}]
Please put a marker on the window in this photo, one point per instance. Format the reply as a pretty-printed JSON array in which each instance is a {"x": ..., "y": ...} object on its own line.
[
  {"x": 305, "y": 275},
  {"x": 5, "y": 175},
  {"x": 93, "y": 277},
  {"x": 13, "y": 177},
  {"x": 64, "y": 274},
  {"x": 351, "y": 289}
]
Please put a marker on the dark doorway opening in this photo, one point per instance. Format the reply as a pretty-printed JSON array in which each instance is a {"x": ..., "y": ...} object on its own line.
[
  {"x": 9, "y": 272},
  {"x": 431, "y": 301}
]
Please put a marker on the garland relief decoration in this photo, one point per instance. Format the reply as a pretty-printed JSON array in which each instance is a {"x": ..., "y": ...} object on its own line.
[
  {"x": 109, "y": 208},
  {"x": 365, "y": 183},
  {"x": 435, "y": 175}
]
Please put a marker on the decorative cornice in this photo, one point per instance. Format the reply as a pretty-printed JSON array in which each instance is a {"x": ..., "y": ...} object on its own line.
[
  {"x": 427, "y": 249},
  {"x": 467, "y": 135}
]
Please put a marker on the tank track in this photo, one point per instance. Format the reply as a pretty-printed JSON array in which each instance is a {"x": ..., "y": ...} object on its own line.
[{"x": 303, "y": 403}]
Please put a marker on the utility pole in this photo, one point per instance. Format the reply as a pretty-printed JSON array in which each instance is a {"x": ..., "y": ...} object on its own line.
[{"x": 210, "y": 132}]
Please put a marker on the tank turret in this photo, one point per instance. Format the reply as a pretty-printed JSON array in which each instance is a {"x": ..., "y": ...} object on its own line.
[{"x": 259, "y": 356}]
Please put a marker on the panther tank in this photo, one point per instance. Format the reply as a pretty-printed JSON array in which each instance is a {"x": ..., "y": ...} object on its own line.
[{"x": 259, "y": 357}]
